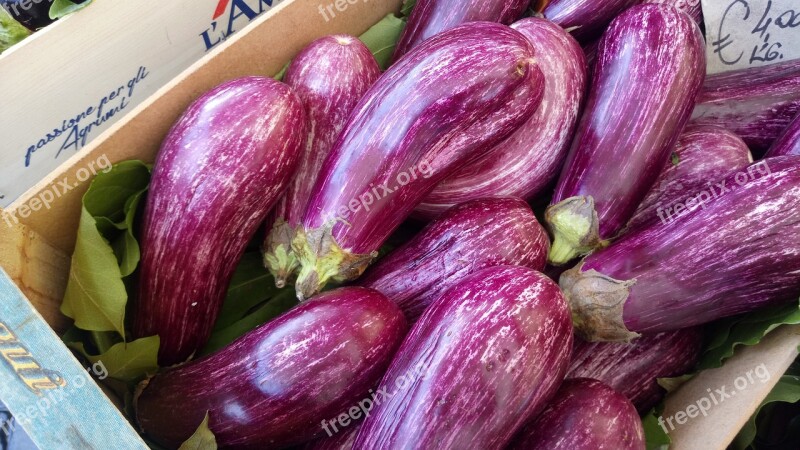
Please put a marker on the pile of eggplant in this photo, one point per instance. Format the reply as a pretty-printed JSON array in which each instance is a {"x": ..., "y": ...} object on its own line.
[{"x": 657, "y": 218}]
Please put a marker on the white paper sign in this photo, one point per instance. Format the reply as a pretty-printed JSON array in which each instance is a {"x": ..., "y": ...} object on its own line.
[
  {"x": 72, "y": 80},
  {"x": 750, "y": 33}
]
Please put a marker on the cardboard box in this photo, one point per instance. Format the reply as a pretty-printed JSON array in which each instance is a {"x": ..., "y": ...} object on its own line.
[
  {"x": 35, "y": 249},
  {"x": 66, "y": 84}
]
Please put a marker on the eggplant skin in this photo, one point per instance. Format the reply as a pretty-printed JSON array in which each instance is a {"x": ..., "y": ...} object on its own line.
[
  {"x": 731, "y": 251},
  {"x": 465, "y": 239},
  {"x": 527, "y": 163},
  {"x": 703, "y": 153},
  {"x": 692, "y": 7},
  {"x": 584, "y": 415},
  {"x": 479, "y": 363},
  {"x": 586, "y": 19},
  {"x": 330, "y": 76},
  {"x": 431, "y": 17},
  {"x": 788, "y": 143},
  {"x": 452, "y": 98},
  {"x": 273, "y": 387},
  {"x": 220, "y": 170},
  {"x": 756, "y": 103},
  {"x": 633, "y": 369},
  {"x": 650, "y": 67}
]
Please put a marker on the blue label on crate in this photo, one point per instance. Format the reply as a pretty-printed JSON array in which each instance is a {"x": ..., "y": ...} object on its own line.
[{"x": 50, "y": 395}]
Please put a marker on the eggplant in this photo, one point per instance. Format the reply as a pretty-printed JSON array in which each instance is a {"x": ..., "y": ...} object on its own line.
[
  {"x": 341, "y": 440},
  {"x": 649, "y": 69},
  {"x": 330, "y": 76},
  {"x": 584, "y": 415},
  {"x": 455, "y": 96},
  {"x": 274, "y": 387},
  {"x": 431, "y": 17},
  {"x": 220, "y": 170},
  {"x": 692, "y": 7},
  {"x": 788, "y": 143},
  {"x": 704, "y": 153},
  {"x": 465, "y": 239},
  {"x": 756, "y": 103},
  {"x": 733, "y": 248},
  {"x": 633, "y": 369},
  {"x": 585, "y": 19},
  {"x": 525, "y": 164},
  {"x": 480, "y": 362}
]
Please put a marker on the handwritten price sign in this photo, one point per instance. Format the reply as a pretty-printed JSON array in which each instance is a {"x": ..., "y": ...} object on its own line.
[{"x": 748, "y": 33}]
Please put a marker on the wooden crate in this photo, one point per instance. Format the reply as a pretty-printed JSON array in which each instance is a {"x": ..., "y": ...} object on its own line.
[{"x": 35, "y": 252}]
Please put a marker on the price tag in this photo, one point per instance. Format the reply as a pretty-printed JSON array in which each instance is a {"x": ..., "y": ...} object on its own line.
[{"x": 750, "y": 33}]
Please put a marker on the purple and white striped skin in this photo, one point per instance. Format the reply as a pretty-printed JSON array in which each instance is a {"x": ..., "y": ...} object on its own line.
[
  {"x": 650, "y": 66},
  {"x": 584, "y": 415},
  {"x": 692, "y": 7},
  {"x": 585, "y": 19},
  {"x": 756, "y": 103},
  {"x": 734, "y": 249},
  {"x": 220, "y": 170},
  {"x": 341, "y": 440},
  {"x": 431, "y": 17},
  {"x": 273, "y": 387},
  {"x": 330, "y": 76},
  {"x": 465, "y": 239},
  {"x": 788, "y": 143},
  {"x": 480, "y": 362},
  {"x": 453, "y": 97},
  {"x": 704, "y": 153},
  {"x": 632, "y": 369},
  {"x": 528, "y": 162}
]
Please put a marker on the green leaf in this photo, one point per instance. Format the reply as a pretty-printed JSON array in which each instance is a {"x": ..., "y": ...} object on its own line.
[
  {"x": 106, "y": 250},
  {"x": 749, "y": 329},
  {"x": 279, "y": 76},
  {"x": 202, "y": 439},
  {"x": 61, "y": 8},
  {"x": 656, "y": 438},
  {"x": 281, "y": 303},
  {"x": 127, "y": 361},
  {"x": 251, "y": 286},
  {"x": 676, "y": 158},
  {"x": 382, "y": 38},
  {"x": 11, "y": 31},
  {"x": 95, "y": 297},
  {"x": 408, "y": 5},
  {"x": 787, "y": 390}
]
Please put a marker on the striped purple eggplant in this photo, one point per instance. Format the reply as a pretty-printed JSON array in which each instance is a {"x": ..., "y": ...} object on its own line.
[
  {"x": 633, "y": 368},
  {"x": 467, "y": 238},
  {"x": 585, "y": 19},
  {"x": 526, "y": 163},
  {"x": 650, "y": 66},
  {"x": 756, "y": 103},
  {"x": 275, "y": 386},
  {"x": 584, "y": 415},
  {"x": 456, "y": 95},
  {"x": 691, "y": 7},
  {"x": 732, "y": 248},
  {"x": 220, "y": 170},
  {"x": 704, "y": 154},
  {"x": 330, "y": 76},
  {"x": 431, "y": 17},
  {"x": 480, "y": 362},
  {"x": 339, "y": 439},
  {"x": 788, "y": 143}
]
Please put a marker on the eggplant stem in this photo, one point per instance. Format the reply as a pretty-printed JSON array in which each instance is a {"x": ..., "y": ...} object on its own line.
[{"x": 575, "y": 228}]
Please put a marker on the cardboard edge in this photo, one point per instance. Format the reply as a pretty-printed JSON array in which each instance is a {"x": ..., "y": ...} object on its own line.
[{"x": 724, "y": 420}]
